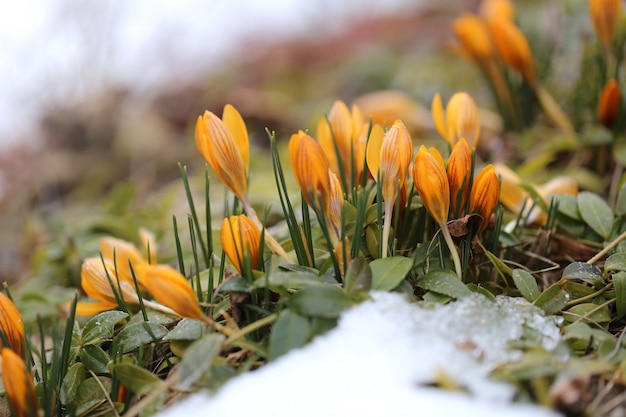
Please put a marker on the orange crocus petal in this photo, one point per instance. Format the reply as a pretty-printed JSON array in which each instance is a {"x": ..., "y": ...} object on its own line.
[
  {"x": 459, "y": 172},
  {"x": 395, "y": 157},
  {"x": 497, "y": 9},
  {"x": 340, "y": 120},
  {"x": 372, "y": 155},
  {"x": 170, "y": 288},
  {"x": 94, "y": 279},
  {"x": 310, "y": 168},
  {"x": 124, "y": 253},
  {"x": 218, "y": 147},
  {"x": 463, "y": 120},
  {"x": 485, "y": 195},
  {"x": 474, "y": 36},
  {"x": 11, "y": 324},
  {"x": 605, "y": 15},
  {"x": 438, "y": 116},
  {"x": 18, "y": 384},
  {"x": 608, "y": 103},
  {"x": 86, "y": 308},
  {"x": 513, "y": 48},
  {"x": 325, "y": 139},
  {"x": 431, "y": 182},
  {"x": 237, "y": 127},
  {"x": 240, "y": 239}
]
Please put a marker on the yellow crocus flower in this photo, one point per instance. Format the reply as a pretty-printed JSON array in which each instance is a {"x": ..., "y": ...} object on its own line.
[
  {"x": 461, "y": 119},
  {"x": 310, "y": 167},
  {"x": 18, "y": 384},
  {"x": 605, "y": 16},
  {"x": 11, "y": 324},
  {"x": 240, "y": 238},
  {"x": 223, "y": 143},
  {"x": 431, "y": 183},
  {"x": 485, "y": 195},
  {"x": 124, "y": 253},
  {"x": 497, "y": 9},
  {"x": 608, "y": 103},
  {"x": 99, "y": 282},
  {"x": 459, "y": 171},
  {"x": 474, "y": 36},
  {"x": 513, "y": 47},
  {"x": 169, "y": 288}
]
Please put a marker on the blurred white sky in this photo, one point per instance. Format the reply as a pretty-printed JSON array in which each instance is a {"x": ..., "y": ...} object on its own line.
[{"x": 53, "y": 50}]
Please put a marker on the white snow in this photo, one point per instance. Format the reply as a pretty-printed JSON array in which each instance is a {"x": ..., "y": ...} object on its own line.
[{"x": 380, "y": 358}]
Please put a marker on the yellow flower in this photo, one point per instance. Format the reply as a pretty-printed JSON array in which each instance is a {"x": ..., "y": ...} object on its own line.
[
  {"x": 605, "y": 15},
  {"x": 497, "y": 9},
  {"x": 336, "y": 204},
  {"x": 170, "y": 288},
  {"x": 343, "y": 137},
  {"x": 124, "y": 253},
  {"x": 240, "y": 239},
  {"x": 608, "y": 103},
  {"x": 460, "y": 120},
  {"x": 474, "y": 36},
  {"x": 513, "y": 47},
  {"x": 431, "y": 182},
  {"x": 18, "y": 384},
  {"x": 389, "y": 157},
  {"x": 94, "y": 279},
  {"x": 485, "y": 195},
  {"x": 459, "y": 172},
  {"x": 11, "y": 324},
  {"x": 310, "y": 168},
  {"x": 223, "y": 143}
]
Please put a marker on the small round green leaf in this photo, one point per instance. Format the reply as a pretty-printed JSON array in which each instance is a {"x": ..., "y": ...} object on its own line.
[
  {"x": 444, "y": 282},
  {"x": 387, "y": 273},
  {"x": 290, "y": 331},
  {"x": 137, "y": 334},
  {"x": 326, "y": 301},
  {"x": 100, "y": 327},
  {"x": 596, "y": 213},
  {"x": 526, "y": 284}
]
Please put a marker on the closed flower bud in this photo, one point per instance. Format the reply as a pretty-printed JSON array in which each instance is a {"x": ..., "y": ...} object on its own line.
[
  {"x": 513, "y": 47},
  {"x": 99, "y": 282},
  {"x": 124, "y": 253},
  {"x": 608, "y": 103},
  {"x": 11, "y": 324},
  {"x": 459, "y": 172},
  {"x": 223, "y": 143},
  {"x": 240, "y": 240},
  {"x": 485, "y": 195},
  {"x": 431, "y": 182},
  {"x": 18, "y": 384},
  {"x": 605, "y": 15},
  {"x": 497, "y": 9},
  {"x": 461, "y": 119},
  {"x": 336, "y": 204},
  {"x": 310, "y": 167},
  {"x": 169, "y": 288},
  {"x": 474, "y": 36}
]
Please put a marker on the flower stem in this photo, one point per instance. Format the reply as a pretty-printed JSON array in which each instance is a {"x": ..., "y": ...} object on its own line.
[
  {"x": 387, "y": 227},
  {"x": 455, "y": 254}
]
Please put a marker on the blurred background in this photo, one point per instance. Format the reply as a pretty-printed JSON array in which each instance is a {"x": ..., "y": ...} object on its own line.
[{"x": 95, "y": 93}]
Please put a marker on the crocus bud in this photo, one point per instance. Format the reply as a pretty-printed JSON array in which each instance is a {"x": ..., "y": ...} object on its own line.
[
  {"x": 459, "y": 172},
  {"x": 310, "y": 167},
  {"x": 240, "y": 239},
  {"x": 513, "y": 48},
  {"x": 431, "y": 182},
  {"x": 474, "y": 36},
  {"x": 605, "y": 16},
  {"x": 223, "y": 143},
  {"x": 11, "y": 324},
  {"x": 608, "y": 103},
  {"x": 485, "y": 195},
  {"x": 460, "y": 120},
  {"x": 18, "y": 384},
  {"x": 169, "y": 288}
]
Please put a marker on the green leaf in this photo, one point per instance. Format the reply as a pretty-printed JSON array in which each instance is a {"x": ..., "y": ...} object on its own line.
[
  {"x": 526, "y": 284},
  {"x": 235, "y": 284},
  {"x": 615, "y": 262},
  {"x": 387, "y": 273},
  {"x": 90, "y": 394},
  {"x": 444, "y": 282},
  {"x": 326, "y": 301},
  {"x": 290, "y": 280},
  {"x": 588, "y": 312},
  {"x": 100, "y": 327},
  {"x": 568, "y": 206},
  {"x": 620, "y": 206},
  {"x": 73, "y": 378},
  {"x": 585, "y": 272},
  {"x": 358, "y": 277},
  {"x": 552, "y": 300},
  {"x": 596, "y": 213},
  {"x": 136, "y": 334},
  {"x": 95, "y": 359},
  {"x": 198, "y": 360},
  {"x": 186, "y": 329},
  {"x": 619, "y": 282},
  {"x": 136, "y": 378},
  {"x": 290, "y": 331}
]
